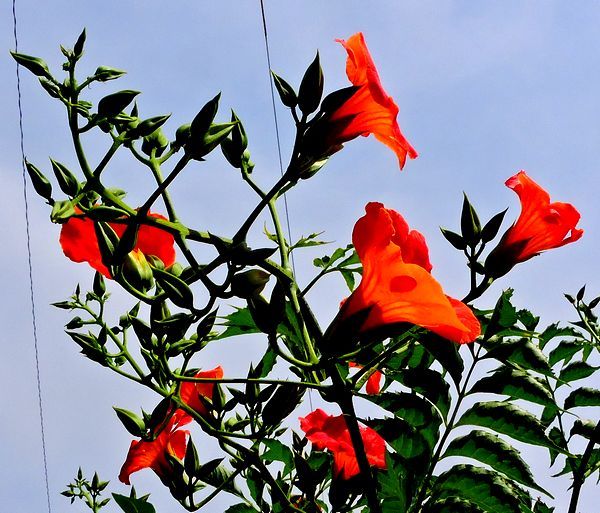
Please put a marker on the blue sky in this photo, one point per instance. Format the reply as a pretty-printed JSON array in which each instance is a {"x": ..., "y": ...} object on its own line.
[{"x": 484, "y": 88}]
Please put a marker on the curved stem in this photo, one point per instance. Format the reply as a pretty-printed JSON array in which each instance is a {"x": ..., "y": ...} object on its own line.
[{"x": 579, "y": 473}]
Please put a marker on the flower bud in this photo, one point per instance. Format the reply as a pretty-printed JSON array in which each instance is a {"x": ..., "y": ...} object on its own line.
[
  {"x": 137, "y": 271},
  {"x": 249, "y": 283}
]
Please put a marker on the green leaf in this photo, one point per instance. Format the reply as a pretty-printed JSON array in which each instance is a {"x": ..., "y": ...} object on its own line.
[
  {"x": 516, "y": 384},
  {"x": 428, "y": 383},
  {"x": 418, "y": 412},
  {"x": 575, "y": 371},
  {"x": 133, "y": 505},
  {"x": 238, "y": 323},
  {"x": 453, "y": 505},
  {"x": 554, "y": 330},
  {"x": 308, "y": 241},
  {"x": 406, "y": 440},
  {"x": 583, "y": 397},
  {"x": 240, "y": 508},
  {"x": 446, "y": 353},
  {"x": 494, "y": 452},
  {"x": 503, "y": 316},
  {"x": 277, "y": 451},
  {"x": 479, "y": 486},
  {"x": 348, "y": 278},
  {"x": 564, "y": 351},
  {"x": 587, "y": 429},
  {"x": 509, "y": 420},
  {"x": 522, "y": 352}
]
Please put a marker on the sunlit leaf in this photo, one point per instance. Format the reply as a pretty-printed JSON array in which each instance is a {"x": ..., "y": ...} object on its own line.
[
  {"x": 494, "y": 452},
  {"x": 508, "y": 419}
]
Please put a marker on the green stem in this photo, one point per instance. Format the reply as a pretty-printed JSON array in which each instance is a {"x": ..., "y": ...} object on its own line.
[
  {"x": 579, "y": 474},
  {"x": 344, "y": 400},
  {"x": 416, "y": 504}
]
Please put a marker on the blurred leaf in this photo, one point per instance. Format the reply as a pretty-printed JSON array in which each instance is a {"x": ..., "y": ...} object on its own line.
[
  {"x": 494, "y": 452},
  {"x": 509, "y": 420}
]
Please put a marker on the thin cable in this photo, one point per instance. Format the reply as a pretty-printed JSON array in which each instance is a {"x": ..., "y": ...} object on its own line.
[
  {"x": 31, "y": 288},
  {"x": 285, "y": 203}
]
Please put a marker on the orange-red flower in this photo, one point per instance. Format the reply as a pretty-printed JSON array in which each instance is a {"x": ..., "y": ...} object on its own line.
[
  {"x": 370, "y": 110},
  {"x": 397, "y": 286},
  {"x": 331, "y": 433},
  {"x": 144, "y": 454},
  {"x": 191, "y": 391},
  {"x": 542, "y": 225},
  {"x": 79, "y": 242},
  {"x": 373, "y": 383}
]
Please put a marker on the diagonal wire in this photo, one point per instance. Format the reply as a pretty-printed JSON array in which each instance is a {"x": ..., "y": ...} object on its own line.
[
  {"x": 31, "y": 288},
  {"x": 285, "y": 203}
]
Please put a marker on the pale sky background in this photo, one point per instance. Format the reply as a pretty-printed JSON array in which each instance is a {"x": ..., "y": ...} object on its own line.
[{"x": 484, "y": 88}]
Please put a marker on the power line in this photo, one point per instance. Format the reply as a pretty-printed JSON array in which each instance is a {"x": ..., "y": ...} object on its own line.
[{"x": 31, "y": 287}]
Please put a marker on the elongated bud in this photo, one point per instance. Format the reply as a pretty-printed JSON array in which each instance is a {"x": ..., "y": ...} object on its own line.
[
  {"x": 311, "y": 87},
  {"x": 99, "y": 286},
  {"x": 34, "y": 64},
  {"x": 106, "y": 73},
  {"x": 40, "y": 183},
  {"x": 113, "y": 104},
  {"x": 156, "y": 140},
  {"x": 286, "y": 91},
  {"x": 78, "y": 48},
  {"x": 66, "y": 180}
]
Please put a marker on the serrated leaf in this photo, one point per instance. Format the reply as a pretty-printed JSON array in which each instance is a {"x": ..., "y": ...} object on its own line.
[
  {"x": 516, "y": 384},
  {"x": 583, "y": 397},
  {"x": 509, "y": 420},
  {"x": 133, "y": 505},
  {"x": 479, "y": 486},
  {"x": 241, "y": 508},
  {"x": 575, "y": 371},
  {"x": 277, "y": 451},
  {"x": 522, "y": 352},
  {"x": 453, "y": 505},
  {"x": 564, "y": 351},
  {"x": 553, "y": 331},
  {"x": 494, "y": 452},
  {"x": 418, "y": 412},
  {"x": 446, "y": 353},
  {"x": 428, "y": 383},
  {"x": 587, "y": 429}
]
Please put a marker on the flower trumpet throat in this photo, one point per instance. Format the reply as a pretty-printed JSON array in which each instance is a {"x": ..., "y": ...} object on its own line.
[
  {"x": 541, "y": 226},
  {"x": 397, "y": 286}
]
